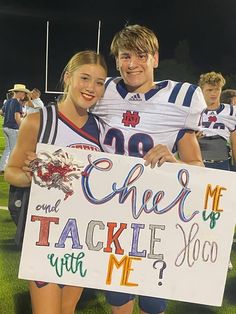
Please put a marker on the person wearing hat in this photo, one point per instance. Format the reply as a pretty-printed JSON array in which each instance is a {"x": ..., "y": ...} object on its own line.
[{"x": 12, "y": 112}]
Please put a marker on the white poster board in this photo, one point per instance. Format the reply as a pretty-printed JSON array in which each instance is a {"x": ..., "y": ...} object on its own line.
[{"x": 115, "y": 224}]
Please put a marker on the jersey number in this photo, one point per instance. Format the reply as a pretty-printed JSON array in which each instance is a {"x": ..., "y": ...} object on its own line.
[
  {"x": 216, "y": 125},
  {"x": 137, "y": 144}
]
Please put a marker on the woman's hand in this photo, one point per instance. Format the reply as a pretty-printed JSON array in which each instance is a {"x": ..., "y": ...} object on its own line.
[{"x": 27, "y": 168}]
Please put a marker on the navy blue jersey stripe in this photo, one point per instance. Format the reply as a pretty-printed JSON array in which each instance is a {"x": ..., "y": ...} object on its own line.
[
  {"x": 175, "y": 92},
  {"x": 231, "y": 110},
  {"x": 56, "y": 123},
  {"x": 121, "y": 89},
  {"x": 221, "y": 108},
  {"x": 48, "y": 125},
  {"x": 189, "y": 95},
  {"x": 41, "y": 124},
  {"x": 155, "y": 90}
]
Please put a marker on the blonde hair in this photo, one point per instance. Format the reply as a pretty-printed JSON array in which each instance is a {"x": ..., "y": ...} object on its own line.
[
  {"x": 211, "y": 78},
  {"x": 79, "y": 59},
  {"x": 135, "y": 38}
]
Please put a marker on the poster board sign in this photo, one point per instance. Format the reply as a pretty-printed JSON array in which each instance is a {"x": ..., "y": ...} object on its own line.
[{"x": 108, "y": 222}]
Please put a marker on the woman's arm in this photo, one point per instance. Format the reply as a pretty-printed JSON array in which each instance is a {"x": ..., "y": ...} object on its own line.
[{"x": 26, "y": 142}]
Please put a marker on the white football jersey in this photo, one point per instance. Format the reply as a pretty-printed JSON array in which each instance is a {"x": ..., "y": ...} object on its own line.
[
  {"x": 132, "y": 123},
  {"x": 221, "y": 121}
]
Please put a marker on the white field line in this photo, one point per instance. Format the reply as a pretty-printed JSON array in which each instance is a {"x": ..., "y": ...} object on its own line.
[{"x": 3, "y": 207}]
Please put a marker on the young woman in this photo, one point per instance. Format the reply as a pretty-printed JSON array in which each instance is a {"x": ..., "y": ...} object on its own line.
[{"x": 84, "y": 77}]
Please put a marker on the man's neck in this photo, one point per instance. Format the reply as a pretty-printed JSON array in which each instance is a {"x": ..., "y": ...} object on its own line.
[{"x": 213, "y": 106}]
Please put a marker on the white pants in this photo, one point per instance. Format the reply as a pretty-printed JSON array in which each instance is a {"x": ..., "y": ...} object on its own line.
[{"x": 10, "y": 141}]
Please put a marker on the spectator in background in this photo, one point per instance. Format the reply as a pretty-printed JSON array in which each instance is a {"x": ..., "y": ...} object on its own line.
[
  {"x": 228, "y": 96},
  {"x": 218, "y": 126},
  {"x": 12, "y": 111},
  {"x": 9, "y": 95},
  {"x": 33, "y": 102}
]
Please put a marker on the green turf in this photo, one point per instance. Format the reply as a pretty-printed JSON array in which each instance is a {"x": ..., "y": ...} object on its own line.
[{"x": 4, "y": 187}]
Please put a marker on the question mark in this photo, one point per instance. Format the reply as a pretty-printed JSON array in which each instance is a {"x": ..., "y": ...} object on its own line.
[{"x": 161, "y": 269}]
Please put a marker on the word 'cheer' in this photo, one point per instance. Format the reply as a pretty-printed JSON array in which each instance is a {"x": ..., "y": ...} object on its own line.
[{"x": 129, "y": 189}]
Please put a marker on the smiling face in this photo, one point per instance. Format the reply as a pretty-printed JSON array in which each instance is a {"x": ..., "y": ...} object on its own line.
[
  {"x": 137, "y": 69},
  {"x": 86, "y": 85}
]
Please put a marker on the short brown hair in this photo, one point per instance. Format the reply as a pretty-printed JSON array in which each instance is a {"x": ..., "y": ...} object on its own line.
[
  {"x": 227, "y": 95},
  {"x": 211, "y": 78},
  {"x": 135, "y": 38}
]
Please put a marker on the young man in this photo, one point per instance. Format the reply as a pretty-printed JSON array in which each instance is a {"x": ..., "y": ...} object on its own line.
[
  {"x": 218, "y": 135},
  {"x": 143, "y": 119},
  {"x": 218, "y": 124}
]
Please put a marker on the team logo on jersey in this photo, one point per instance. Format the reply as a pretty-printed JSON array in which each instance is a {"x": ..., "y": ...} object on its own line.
[
  {"x": 131, "y": 118},
  {"x": 135, "y": 98},
  {"x": 85, "y": 147},
  {"x": 212, "y": 118}
]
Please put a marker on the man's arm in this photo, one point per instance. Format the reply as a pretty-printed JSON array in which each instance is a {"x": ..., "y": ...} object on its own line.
[{"x": 188, "y": 149}]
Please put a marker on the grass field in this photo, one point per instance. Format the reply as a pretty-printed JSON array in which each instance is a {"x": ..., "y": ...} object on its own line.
[{"x": 14, "y": 296}]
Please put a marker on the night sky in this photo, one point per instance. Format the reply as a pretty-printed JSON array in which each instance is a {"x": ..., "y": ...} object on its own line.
[{"x": 208, "y": 26}]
